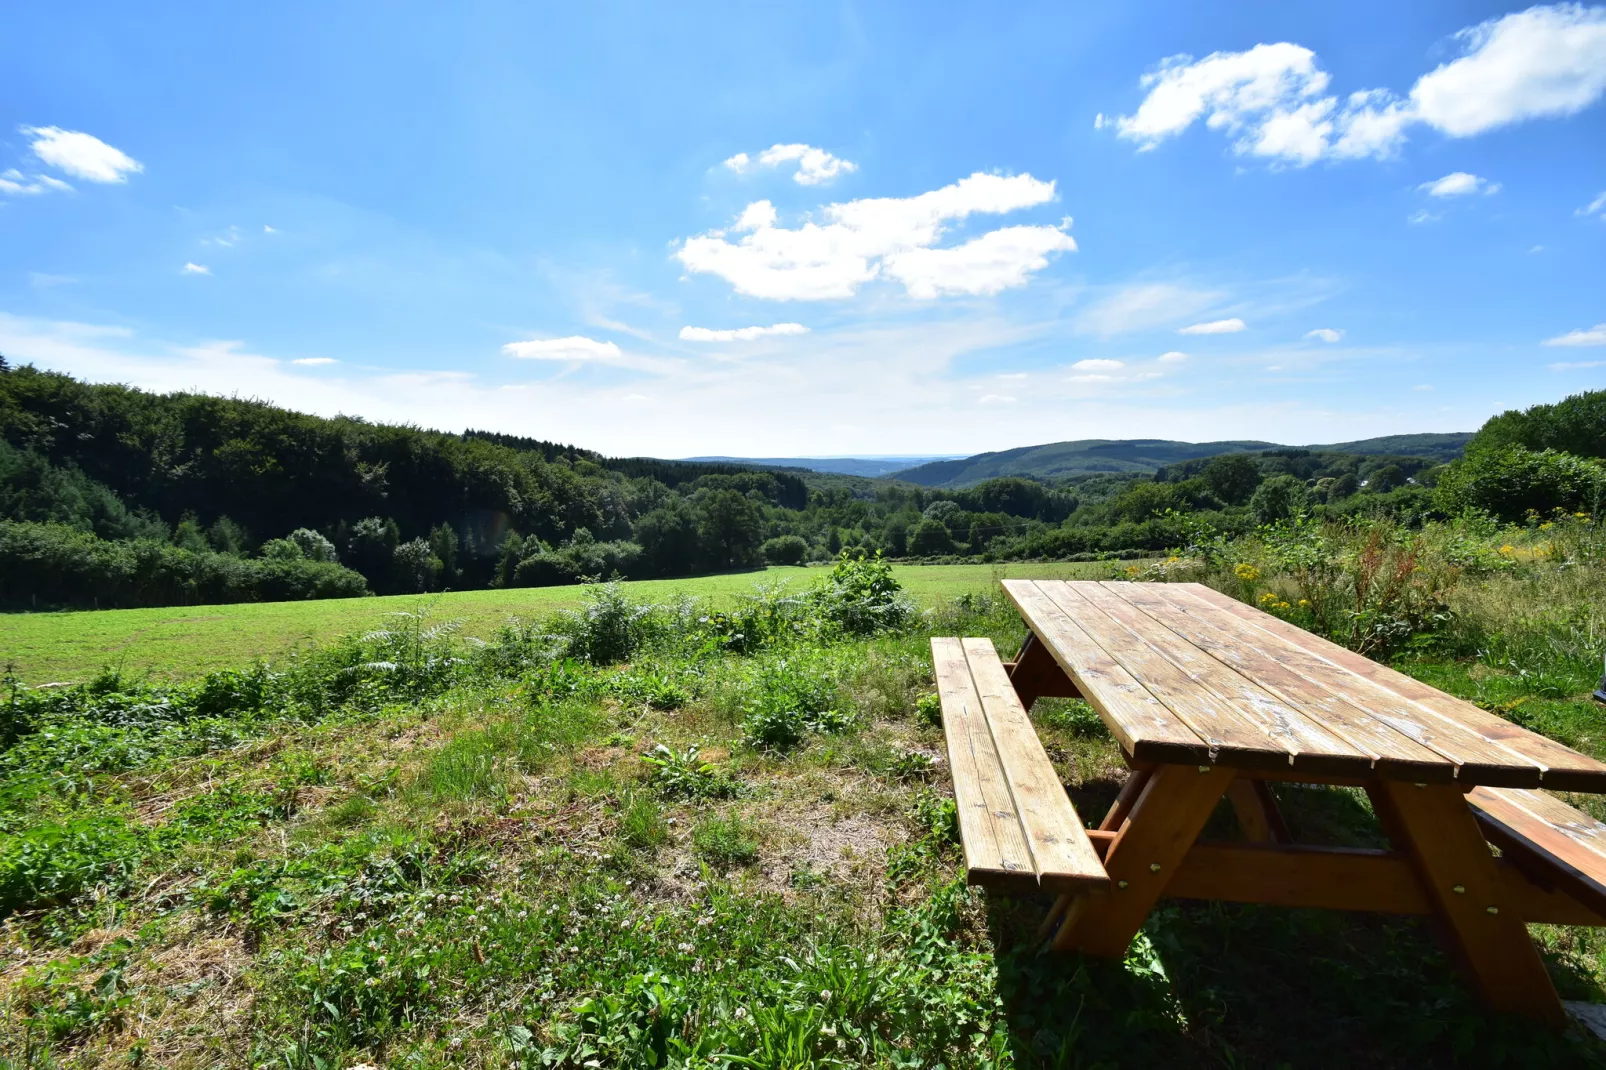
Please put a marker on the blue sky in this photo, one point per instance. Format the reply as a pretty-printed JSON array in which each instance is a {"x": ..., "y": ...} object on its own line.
[{"x": 814, "y": 230}]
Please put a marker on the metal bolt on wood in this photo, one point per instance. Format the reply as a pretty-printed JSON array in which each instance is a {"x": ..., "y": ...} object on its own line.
[
  {"x": 1204, "y": 769},
  {"x": 1493, "y": 910},
  {"x": 1459, "y": 889},
  {"x": 1120, "y": 884},
  {"x": 1154, "y": 867}
]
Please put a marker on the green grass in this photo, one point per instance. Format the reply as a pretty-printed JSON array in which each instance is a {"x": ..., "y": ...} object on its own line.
[{"x": 179, "y": 642}]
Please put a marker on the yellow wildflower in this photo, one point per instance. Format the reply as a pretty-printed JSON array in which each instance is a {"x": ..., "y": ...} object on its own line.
[
  {"x": 1248, "y": 573},
  {"x": 1304, "y": 603},
  {"x": 1507, "y": 550},
  {"x": 1267, "y": 598},
  {"x": 1546, "y": 526},
  {"x": 1284, "y": 605},
  {"x": 1132, "y": 571}
]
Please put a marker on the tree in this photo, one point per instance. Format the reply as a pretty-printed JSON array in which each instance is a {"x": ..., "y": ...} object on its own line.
[
  {"x": 930, "y": 537},
  {"x": 314, "y": 547},
  {"x": 786, "y": 550},
  {"x": 1232, "y": 477},
  {"x": 731, "y": 527},
  {"x": 1279, "y": 498},
  {"x": 1343, "y": 486},
  {"x": 1386, "y": 479},
  {"x": 370, "y": 547},
  {"x": 443, "y": 544},
  {"x": 668, "y": 538},
  {"x": 1511, "y": 482},
  {"x": 415, "y": 566}
]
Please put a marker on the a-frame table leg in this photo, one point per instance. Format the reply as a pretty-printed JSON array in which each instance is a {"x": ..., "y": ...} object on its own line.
[
  {"x": 1463, "y": 882},
  {"x": 1174, "y": 806}
]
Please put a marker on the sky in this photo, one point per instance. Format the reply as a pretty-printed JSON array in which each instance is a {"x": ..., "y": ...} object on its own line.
[{"x": 815, "y": 229}]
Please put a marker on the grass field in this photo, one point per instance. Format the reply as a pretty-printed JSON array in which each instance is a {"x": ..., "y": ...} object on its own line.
[{"x": 182, "y": 641}]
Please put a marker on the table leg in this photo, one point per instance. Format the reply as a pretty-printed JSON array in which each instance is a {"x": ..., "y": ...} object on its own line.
[
  {"x": 1035, "y": 674},
  {"x": 1172, "y": 809},
  {"x": 1462, "y": 880},
  {"x": 1258, "y": 814}
]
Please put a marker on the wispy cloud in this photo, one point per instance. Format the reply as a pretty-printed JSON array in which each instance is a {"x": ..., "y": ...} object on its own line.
[
  {"x": 14, "y": 183},
  {"x": 739, "y": 334},
  {"x": 1596, "y": 207},
  {"x": 1144, "y": 306},
  {"x": 80, "y": 155},
  {"x": 1227, "y": 326},
  {"x": 1459, "y": 184},
  {"x": 573, "y": 348},
  {"x": 1325, "y": 334},
  {"x": 314, "y": 362},
  {"x": 1590, "y": 336},
  {"x": 194, "y": 269}
]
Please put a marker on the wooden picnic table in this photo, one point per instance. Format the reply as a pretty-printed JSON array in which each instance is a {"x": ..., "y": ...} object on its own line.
[{"x": 1210, "y": 698}]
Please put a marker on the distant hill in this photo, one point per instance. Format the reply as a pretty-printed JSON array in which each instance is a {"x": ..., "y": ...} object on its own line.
[
  {"x": 869, "y": 467},
  {"x": 1094, "y": 455}
]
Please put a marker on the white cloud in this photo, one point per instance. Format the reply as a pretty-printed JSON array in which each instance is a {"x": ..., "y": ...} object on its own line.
[
  {"x": 1013, "y": 377},
  {"x": 1172, "y": 357},
  {"x": 1422, "y": 215},
  {"x": 739, "y": 334},
  {"x": 195, "y": 269},
  {"x": 314, "y": 362},
  {"x": 1090, "y": 377},
  {"x": 1099, "y": 365},
  {"x": 1538, "y": 63},
  {"x": 1423, "y": 387},
  {"x": 862, "y": 238},
  {"x": 1273, "y": 99},
  {"x": 814, "y": 166},
  {"x": 1098, "y": 121},
  {"x": 81, "y": 155},
  {"x": 1573, "y": 365},
  {"x": 994, "y": 399},
  {"x": 573, "y": 348},
  {"x": 1228, "y": 326},
  {"x": 1459, "y": 184},
  {"x": 1141, "y": 306},
  {"x": 1594, "y": 336},
  {"x": 996, "y": 261},
  {"x": 1325, "y": 334},
  {"x": 266, "y": 229},
  {"x": 14, "y": 183},
  {"x": 1596, "y": 206}
]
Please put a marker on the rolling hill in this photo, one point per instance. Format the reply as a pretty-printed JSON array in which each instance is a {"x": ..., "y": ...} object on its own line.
[
  {"x": 1089, "y": 456},
  {"x": 869, "y": 467}
]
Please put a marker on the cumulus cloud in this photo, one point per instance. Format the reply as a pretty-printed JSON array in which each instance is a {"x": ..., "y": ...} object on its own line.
[
  {"x": 1595, "y": 207},
  {"x": 814, "y": 166},
  {"x": 16, "y": 184},
  {"x": 739, "y": 334},
  {"x": 194, "y": 269},
  {"x": 1459, "y": 184},
  {"x": 863, "y": 239},
  {"x": 1273, "y": 99},
  {"x": 573, "y": 348},
  {"x": 314, "y": 362},
  {"x": 1325, "y": 334},
  {"x": 1172, "y": 357},
  {"x": 1228, "y": 326},
  {"x": 1593, "y": 336},
  {"x": 80, "y": 155}
]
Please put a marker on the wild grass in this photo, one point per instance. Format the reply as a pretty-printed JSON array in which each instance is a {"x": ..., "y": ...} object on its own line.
[{"x": 578, "y": 844}]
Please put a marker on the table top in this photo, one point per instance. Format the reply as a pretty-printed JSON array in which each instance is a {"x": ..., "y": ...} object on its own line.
[{"x": 1184, "y": 674}]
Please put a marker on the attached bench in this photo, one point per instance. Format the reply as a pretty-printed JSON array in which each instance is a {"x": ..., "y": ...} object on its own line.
[
  {"x": 1555, "y": 846},
  {"x": 1019, "y": 830}
]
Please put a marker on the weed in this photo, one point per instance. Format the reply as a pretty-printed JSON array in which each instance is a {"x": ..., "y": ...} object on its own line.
[
  {"x": 642, "y": 825},
  {"x": 684, "y": 775},
  {"x": 726, "y": 841}
]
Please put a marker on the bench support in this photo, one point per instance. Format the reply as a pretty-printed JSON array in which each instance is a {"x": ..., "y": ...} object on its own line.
[{"x": 1035, "y": 674}]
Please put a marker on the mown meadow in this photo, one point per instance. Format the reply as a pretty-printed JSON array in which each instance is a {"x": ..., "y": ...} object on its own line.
[{"x": 685, "y": 832}]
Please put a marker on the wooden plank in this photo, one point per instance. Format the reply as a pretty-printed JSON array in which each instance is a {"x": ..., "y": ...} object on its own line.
[
  {"x": 995, "y": 851},
  {"x": 1470, "y": 894},
  {"x": 1328, "y": 878},
  {"x": 1174, "y": 806},
  {"x": 1246, "y": 726},
  {"x": 1061, "y": 854},
  {"x": 1338, "y": 878},
  {"x": 1140, "y": 722},
  {"x": 1267, "y": 663},
  {"x": 1569, "y": 844},
  {"x": 1508, "y": 756},
  {"x": 1130, "y": 791},
  {"x": 1035, "y": 674}
]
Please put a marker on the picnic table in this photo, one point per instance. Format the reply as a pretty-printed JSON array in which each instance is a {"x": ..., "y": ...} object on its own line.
[{"x": 1211, "y": 699}]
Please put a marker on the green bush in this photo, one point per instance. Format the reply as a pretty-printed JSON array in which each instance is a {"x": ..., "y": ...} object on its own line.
[
  {"x": 55, "y": 565},
  {"x": 726, "y": 841},
  {"x": 1510, "y": 482},
  {"x": 788, "y": 698},
  {"x": 1279, "y": 498},
  {"x": 860, "y": 597},
  {"x": 786, "y": 550}
]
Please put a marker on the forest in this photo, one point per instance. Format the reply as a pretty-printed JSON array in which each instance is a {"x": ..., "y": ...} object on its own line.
[{"x": 115, "y": 497}]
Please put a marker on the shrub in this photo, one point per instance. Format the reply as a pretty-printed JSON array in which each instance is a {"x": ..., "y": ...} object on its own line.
[
  {"x": 684, "y": 775},
  {"x": 786, "y": 550},
  {"x": 1279, "y": 498},
  {"x": 790, "y": 697},
  {"x": 314, "y": 547},
  {"x": 860, "y": 597},
  {"x": 1510, "y": 482},
  {"x": 609, "y": 628}
]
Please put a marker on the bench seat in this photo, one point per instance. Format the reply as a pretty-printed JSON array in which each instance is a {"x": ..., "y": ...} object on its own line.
[
  {"x": 1019, "y": 830},
  {"x": 1549, "y": 841}
]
